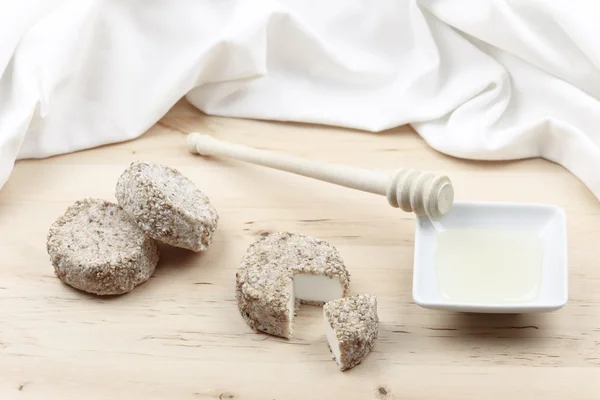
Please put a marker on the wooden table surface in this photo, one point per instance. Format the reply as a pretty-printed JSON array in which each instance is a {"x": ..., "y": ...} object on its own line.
[{"x": 180, "y": 335}]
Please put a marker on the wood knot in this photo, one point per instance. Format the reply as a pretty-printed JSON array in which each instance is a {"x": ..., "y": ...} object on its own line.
[
  {"x": 383, "y": 393},
  {"x": 226, "y": 396}
]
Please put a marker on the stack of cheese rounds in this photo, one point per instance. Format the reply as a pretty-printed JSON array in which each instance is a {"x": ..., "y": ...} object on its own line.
[{"x": 109, "y": 248}]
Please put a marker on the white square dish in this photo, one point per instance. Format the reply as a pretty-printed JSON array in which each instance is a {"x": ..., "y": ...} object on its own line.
[{"x": 546, "y": 222}]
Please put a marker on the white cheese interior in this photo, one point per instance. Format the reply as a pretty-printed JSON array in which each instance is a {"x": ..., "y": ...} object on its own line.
[
  {"x": 332, "y": 340},
  {"x": 317, "y": 287}
]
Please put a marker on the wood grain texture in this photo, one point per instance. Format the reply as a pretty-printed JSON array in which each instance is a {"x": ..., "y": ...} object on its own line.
[{"x": 180, "y": 336}]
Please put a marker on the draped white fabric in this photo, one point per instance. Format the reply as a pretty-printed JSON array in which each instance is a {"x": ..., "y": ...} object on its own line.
[{"x": 479, "y": 79}]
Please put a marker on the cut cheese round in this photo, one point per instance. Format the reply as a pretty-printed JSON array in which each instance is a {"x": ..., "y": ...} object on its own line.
[
  {"x": 351, "y": 328},
  {"x": 282, "y": 270}
]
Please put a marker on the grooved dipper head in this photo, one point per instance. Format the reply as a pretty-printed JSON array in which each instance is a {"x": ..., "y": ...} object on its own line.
[
  {"x": 443, "y": 197},
  {"x": 423, "y": 193}
]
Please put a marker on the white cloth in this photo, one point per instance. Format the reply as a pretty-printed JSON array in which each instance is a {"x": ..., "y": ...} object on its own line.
[{"x": 479, "y": 79}]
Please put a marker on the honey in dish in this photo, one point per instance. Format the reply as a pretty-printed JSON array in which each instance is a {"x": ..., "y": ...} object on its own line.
[{"x": 488, "y": 266}]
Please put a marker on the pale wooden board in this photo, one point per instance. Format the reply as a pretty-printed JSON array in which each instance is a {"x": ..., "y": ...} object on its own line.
[{"x": 180, "y": 336}]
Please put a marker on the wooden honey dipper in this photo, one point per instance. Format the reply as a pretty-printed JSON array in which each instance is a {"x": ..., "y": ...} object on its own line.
[{"x": 423, "y": 193}]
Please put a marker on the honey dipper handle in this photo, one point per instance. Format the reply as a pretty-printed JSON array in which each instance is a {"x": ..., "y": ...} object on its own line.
[{"x": 423, "y": 193}]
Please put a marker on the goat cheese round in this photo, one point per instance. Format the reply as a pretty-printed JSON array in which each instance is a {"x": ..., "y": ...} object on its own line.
[
  {"x": 167, "y": 205},
  {"x": 282, "y": 270},
  {"x": 96, "y": 248}
]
